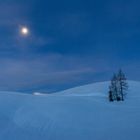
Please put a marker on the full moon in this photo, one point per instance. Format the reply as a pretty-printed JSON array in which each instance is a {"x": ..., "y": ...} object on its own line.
[{"x": 24, "y": 31}]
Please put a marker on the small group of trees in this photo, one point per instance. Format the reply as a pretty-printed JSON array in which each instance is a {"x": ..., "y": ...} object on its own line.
[{"x": 118, "y": 87}]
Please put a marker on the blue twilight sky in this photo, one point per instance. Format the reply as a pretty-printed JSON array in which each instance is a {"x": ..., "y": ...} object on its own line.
[{"x": 70, "y": 42}]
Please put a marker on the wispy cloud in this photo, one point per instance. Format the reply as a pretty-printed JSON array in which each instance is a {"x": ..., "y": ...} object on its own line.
[{"x": 52, "y": 70}]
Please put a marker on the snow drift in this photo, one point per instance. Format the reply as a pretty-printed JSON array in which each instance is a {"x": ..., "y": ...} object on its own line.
[{"x": 81, "y": 113}]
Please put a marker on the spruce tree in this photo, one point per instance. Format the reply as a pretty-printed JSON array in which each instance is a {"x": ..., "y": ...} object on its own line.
[
  {"x": 118, "y": 87},
  {"x": 113, "y": 88},
  {"x": 123, "y": 85}
]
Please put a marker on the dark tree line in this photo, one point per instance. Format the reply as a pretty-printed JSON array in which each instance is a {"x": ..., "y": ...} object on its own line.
[{"x": 118, "y": 87}]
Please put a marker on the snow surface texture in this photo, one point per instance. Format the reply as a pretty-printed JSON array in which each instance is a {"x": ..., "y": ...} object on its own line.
[{"x": 81, "y": 113}]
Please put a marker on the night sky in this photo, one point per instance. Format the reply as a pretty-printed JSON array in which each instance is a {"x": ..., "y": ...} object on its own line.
[{"x": 69, "y": 42}]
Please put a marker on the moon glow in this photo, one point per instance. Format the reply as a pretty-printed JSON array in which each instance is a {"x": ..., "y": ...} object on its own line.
[{"x": 24, "y": 31}]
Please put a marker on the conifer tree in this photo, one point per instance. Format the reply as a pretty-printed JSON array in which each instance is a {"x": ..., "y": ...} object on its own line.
[
  {"x": 113, "y": 87},
  {"x": 118, "y": 87},
  {"x": 123, "y": 85}
]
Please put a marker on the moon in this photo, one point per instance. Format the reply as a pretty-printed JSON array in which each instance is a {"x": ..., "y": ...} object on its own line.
[{"x": 24, "y": 31}]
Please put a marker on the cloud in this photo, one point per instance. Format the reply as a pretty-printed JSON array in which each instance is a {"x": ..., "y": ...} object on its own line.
[
  {"x": 53, "y": 70},
  {"x": 32, "y": 41}
]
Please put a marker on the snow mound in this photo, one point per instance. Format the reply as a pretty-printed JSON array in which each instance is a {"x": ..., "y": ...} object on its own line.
[
  {"x": 74, "y": 117},
  {"x": 97, "y": 89}
]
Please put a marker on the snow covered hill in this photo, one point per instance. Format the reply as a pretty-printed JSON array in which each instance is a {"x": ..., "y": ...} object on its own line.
[
  {"x": 95, "y": 89},
  {"x": 81, "y": 113}
]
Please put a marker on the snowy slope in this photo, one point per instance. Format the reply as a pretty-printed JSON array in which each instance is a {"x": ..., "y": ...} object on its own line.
[
  {"x": 74, "y": 117},
  {"x": 95, "y": 89},
  {"x": 98, "y": 89}
]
